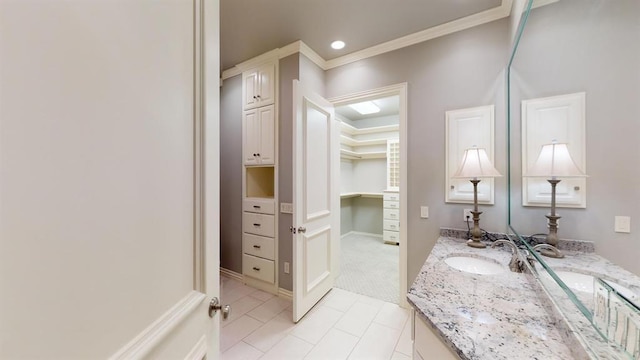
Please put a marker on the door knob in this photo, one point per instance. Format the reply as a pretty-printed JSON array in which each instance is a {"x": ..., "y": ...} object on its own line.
[
  {"x": 302, "y": 230},
  {"x": 214, "y": 306}
]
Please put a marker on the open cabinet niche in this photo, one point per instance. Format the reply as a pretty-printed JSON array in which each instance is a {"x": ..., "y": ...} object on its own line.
[{"x": 368, "y": 169}]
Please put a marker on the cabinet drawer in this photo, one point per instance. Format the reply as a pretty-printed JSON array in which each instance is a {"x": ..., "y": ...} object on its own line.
[
  {"x": 391, "y": 196},
  {"x": 388, "y": 204},
  {"x": 259, "y": 246},
  {"x": 391, "y": 214},
  {"x": 428, "y": 345},
  {"x": 263, "y": 206},
  {"x": 391, "y": 236},
  {"x": 392, "y": 225},
  {"x": 258, "y": 224},
  {"x": 258, "y": 268}
]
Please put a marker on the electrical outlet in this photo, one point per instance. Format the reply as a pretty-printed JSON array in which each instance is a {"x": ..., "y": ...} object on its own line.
[
  {"x": 286, "y": 208},
  {"x": 622, "y": 224},
  {"x": 467, "y": 215},
  {"x": 286, "y": 267}
]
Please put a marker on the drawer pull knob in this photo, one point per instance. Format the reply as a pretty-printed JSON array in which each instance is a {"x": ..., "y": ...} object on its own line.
[
  {"x": 256, "y": 246},
  {"x": 256, "y": 268},
  {"x": 256, "y": 206},
  {"x": 258, "y": 225}
]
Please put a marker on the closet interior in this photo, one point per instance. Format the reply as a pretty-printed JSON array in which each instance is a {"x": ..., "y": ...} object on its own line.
[{"x": 369, "y": 192}]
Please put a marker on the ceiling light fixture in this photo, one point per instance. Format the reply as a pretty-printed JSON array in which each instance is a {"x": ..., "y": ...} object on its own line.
[
  {"x": 365, "y": 108},
  {"x": 338, "y": 44}
]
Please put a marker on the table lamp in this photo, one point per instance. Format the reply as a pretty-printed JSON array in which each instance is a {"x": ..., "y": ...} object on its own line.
[
  {"x": 554, "y": 161},
  {"x": 475, "y": 165}
]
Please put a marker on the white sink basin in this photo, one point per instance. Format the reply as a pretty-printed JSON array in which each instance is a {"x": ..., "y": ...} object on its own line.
[
  {"x": 584, "y": 283},
  {"x": 474, "y": 265}
]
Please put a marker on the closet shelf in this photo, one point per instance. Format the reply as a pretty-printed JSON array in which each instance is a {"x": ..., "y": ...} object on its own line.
[
  {"x": 348, "y": 129},
  {"x": 355, "y": 143},
  {"x": 360, "y": 194},
  {"x": 355, "y": 155}
]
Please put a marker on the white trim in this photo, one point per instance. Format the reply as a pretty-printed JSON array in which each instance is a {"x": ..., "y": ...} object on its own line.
[
  {"x": 231, "y": 274},
  {"x": 199, "y": 350},
  {"x": 437, "y": 31},
  {"x": 313, "y": 56},
  {"x": 272, "y": 55},
  {"x": 285, "y": 294},
  {"x": 150, "y": 337},
  {"x": 539, "y": 3}
]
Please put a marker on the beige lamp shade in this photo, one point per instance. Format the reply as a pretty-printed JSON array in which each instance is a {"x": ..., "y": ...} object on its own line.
[
  {"x": 554, "y": 161},
  {"x": 475, "y": 164}
]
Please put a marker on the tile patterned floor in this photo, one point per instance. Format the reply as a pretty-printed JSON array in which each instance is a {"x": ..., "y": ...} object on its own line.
[{"x": 343, "y": 325}]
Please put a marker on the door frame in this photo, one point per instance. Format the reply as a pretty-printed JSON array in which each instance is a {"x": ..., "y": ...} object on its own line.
[{"x": 399, "y": 90}]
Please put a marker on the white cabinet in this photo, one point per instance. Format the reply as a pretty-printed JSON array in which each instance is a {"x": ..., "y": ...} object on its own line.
[
  {"x": 259, "y": 86},
  {"x": 258, "y": 239},
  {"x": 258, "y": 128},
  {"x": 391, "y": 218},
  {"x": 428, "y": 345}
]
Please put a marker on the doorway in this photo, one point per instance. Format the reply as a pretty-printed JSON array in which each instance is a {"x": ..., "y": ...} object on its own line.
[{"x": 372, "y": 193}]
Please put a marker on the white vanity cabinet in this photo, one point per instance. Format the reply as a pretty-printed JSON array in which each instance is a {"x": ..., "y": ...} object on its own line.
[
  {"x": 259, "y": 86},
  {"x": 426, "y": 344},
  {"x": 258, "y": 138},
  {"x": 391, "y": 217}
]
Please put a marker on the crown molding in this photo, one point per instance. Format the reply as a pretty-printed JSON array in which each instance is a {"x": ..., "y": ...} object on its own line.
[
  {"x": 437, "y": 31},
  {"x": 464, "y": 23}
]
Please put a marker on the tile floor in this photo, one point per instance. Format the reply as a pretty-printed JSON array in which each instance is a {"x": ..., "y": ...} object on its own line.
[{"x": 343, "y": 325}]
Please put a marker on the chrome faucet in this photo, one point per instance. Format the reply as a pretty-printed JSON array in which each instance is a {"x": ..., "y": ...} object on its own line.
[
  {"x": 515, "y": 264},
  {"x": 549, "y": 250}
]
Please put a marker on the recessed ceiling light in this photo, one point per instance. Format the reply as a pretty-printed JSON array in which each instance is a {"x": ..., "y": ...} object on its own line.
[
  {"x": 337, "y": 44},
  {"x": 365, "y": 108}
]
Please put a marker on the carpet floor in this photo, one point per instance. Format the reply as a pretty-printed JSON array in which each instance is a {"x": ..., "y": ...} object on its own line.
[{"x": 369, "y": 267}]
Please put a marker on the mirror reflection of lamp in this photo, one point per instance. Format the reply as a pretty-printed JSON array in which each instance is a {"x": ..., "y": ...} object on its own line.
[
  {"x": 475, "y": 165},
  {"x": 553, "y": 162}
]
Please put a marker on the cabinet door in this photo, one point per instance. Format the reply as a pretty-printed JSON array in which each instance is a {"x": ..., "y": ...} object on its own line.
[
  {"x": 267, "y": 147},
  {"x": 251, "y": 137},
  {"x": 266, "y": 86},
  {"x": 250, "y": 89}
]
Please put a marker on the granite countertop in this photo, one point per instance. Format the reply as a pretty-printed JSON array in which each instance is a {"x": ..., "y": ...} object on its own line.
[{"x": 486, "y": 316}]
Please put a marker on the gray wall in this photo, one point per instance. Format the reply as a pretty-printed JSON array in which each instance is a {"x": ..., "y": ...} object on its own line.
[
  {"x": 594, "y": 47},
  {"x": 460, "y": 70},
  {"x": 231, "y": 174}
]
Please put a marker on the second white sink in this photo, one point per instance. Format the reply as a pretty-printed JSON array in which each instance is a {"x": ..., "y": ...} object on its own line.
[
  {"x": 584, "y": 283},
  {"x": 474, "y": 265}
]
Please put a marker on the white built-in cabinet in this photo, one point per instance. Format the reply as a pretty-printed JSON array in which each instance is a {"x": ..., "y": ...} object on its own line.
[
  {"x": 259, "y": 86},
  {"x": 259, "y": 136},
  {"x": 260, "y": 177}
]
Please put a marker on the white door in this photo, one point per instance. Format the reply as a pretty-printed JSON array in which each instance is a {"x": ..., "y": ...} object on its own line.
[
  {"x": 108, "y": 131},
  {"x": 315, "y": 199}
]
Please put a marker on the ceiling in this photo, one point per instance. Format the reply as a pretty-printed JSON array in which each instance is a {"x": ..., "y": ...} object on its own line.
[{"x": 249, "y": 28}]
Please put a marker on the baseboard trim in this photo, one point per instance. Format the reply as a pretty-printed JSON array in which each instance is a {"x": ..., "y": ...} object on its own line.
[
  {"x": 231, "y": 274},
  {"x": 155, "y": 333},
  {"x": 285, "y": 294}
]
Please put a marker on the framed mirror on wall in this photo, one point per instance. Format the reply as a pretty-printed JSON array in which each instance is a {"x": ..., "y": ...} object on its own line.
[{"x": 589, "y": 51}]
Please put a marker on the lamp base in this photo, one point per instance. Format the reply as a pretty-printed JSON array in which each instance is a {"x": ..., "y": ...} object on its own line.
[{"x": 476, "y": 244}]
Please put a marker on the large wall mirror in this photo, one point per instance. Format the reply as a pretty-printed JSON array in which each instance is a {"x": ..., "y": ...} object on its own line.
[{"x": 587, "y": 51}]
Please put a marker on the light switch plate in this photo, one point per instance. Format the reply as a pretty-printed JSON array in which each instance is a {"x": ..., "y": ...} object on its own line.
[
  {"x": 424, "y": 212},
  {"x": 286, "y": 208},
  {"x": 622, "y": 224}
]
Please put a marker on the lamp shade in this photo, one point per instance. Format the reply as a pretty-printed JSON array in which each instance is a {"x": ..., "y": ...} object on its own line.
[
  {"x": 555, "y": 161},
  {"x": 475, "y": 164}
]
